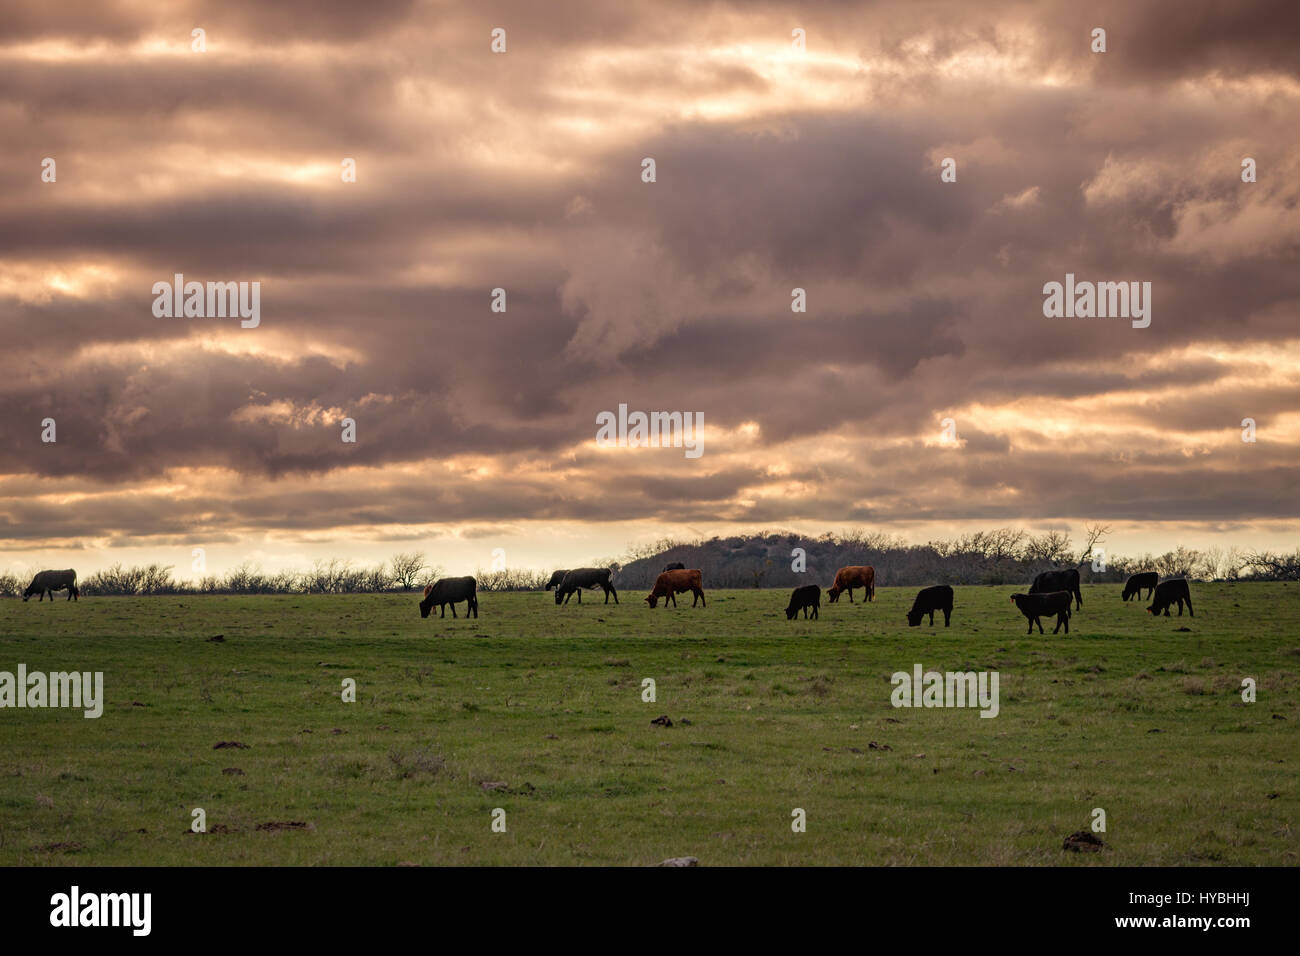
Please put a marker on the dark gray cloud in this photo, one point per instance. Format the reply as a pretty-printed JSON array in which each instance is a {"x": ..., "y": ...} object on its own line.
[{"x": 522, "y": 172}]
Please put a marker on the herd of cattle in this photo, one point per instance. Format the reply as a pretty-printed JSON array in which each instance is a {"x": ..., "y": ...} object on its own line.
[{"x": 1050, "y": 594}]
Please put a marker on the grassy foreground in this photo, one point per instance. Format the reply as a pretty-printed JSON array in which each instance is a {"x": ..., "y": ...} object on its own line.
[{"x": 538, "y": 710}]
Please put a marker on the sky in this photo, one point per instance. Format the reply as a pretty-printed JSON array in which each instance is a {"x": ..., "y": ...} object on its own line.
[{"x": 776, "y": 168}]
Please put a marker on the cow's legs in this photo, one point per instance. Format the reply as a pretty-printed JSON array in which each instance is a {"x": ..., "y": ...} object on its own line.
[
  {"x": 850, "y": 595},
  {"x": 700, "y": 594},
  {"x": 947, "y": 616},
  {"x": 1189, "y": 606}
]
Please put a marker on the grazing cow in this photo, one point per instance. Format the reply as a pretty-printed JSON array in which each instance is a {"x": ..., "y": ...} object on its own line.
[
  {"x": 556, "y": 578},
  {"x": 854, "y": 576},
  {"x": 47, "y": 582},
  {"x": 929, "y": 600},
  {"x": 1066, "y": 579},
  {"x": 675, "y": 566},
  {"x": 579, "y": 578},
  {"x": 1167, "y": 592},
  {"x": 1134, "y": 585},
  {"x": 808, "y": 596},
  {"x": 1036, "y": 606},
  {"x": 672, "y": 583},
  {"x": 446, "y": 591}
]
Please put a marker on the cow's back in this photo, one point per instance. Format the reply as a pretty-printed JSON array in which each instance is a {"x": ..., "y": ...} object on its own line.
[
  {"x": 684, "y": 579},
  {"x": 857, "y": 575}
]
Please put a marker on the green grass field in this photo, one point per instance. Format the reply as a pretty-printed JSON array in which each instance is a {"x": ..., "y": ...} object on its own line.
[{"x": 537, "y": 710}]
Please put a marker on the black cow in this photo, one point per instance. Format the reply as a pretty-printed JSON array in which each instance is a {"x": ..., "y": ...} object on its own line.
[
  {"x": 446, "y": 591},
  {"x": 929, "y": 600},
  {"x": 1066, "y": 579},
  {"x": 1167, "y": 592},
  {"x": 1134, "y": 585},
  {"x": 47, "y": 582},
  {"x": 1036, "y": 606},
  {"x": 579, "y": 578},
  {"x": 808, "y": 596},
  {"x": 675, "y": 566},
  {"x": 556, "y": 578}
]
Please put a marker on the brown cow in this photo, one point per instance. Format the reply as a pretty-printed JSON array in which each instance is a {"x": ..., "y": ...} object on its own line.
[
  {"x": 672, "y": 583},
  {"x": 855, "y": 576}
]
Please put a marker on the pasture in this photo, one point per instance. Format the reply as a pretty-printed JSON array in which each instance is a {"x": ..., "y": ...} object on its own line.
[{"x": 538, "y": 710}]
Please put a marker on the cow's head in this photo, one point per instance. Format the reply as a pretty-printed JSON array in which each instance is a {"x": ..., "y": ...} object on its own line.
[
  {"x": 652, "y": 601},
  {"x": 914, "y": 618},
  {"x": 425, "y": 606},
  {"x": 559, "y": 598},
  {"x": 790, "y": 612},
  {"x": 833, "y": 593}
]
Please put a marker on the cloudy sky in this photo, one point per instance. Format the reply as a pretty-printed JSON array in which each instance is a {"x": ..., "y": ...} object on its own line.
[{"x": 775, "y": 168}]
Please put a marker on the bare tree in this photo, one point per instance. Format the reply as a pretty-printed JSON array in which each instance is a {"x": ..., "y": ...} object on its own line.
[
  {"x": 406, "y": 568},
  {"x": 1004, "y": 542},
  {"x": 1096, "y": 535},
  {"x": 1050, "y": 548},
  {"x": 1178, "y": 563},
  {"x": 1275, "y": 567}
]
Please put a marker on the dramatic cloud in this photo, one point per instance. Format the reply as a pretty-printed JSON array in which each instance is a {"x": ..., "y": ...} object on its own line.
[{"x": 776, "y": 169}]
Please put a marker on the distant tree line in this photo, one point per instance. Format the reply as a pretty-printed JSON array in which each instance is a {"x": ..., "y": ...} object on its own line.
[
  {"x": 1003, "y": 556},
  {"x": 408, "y": 571}
]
